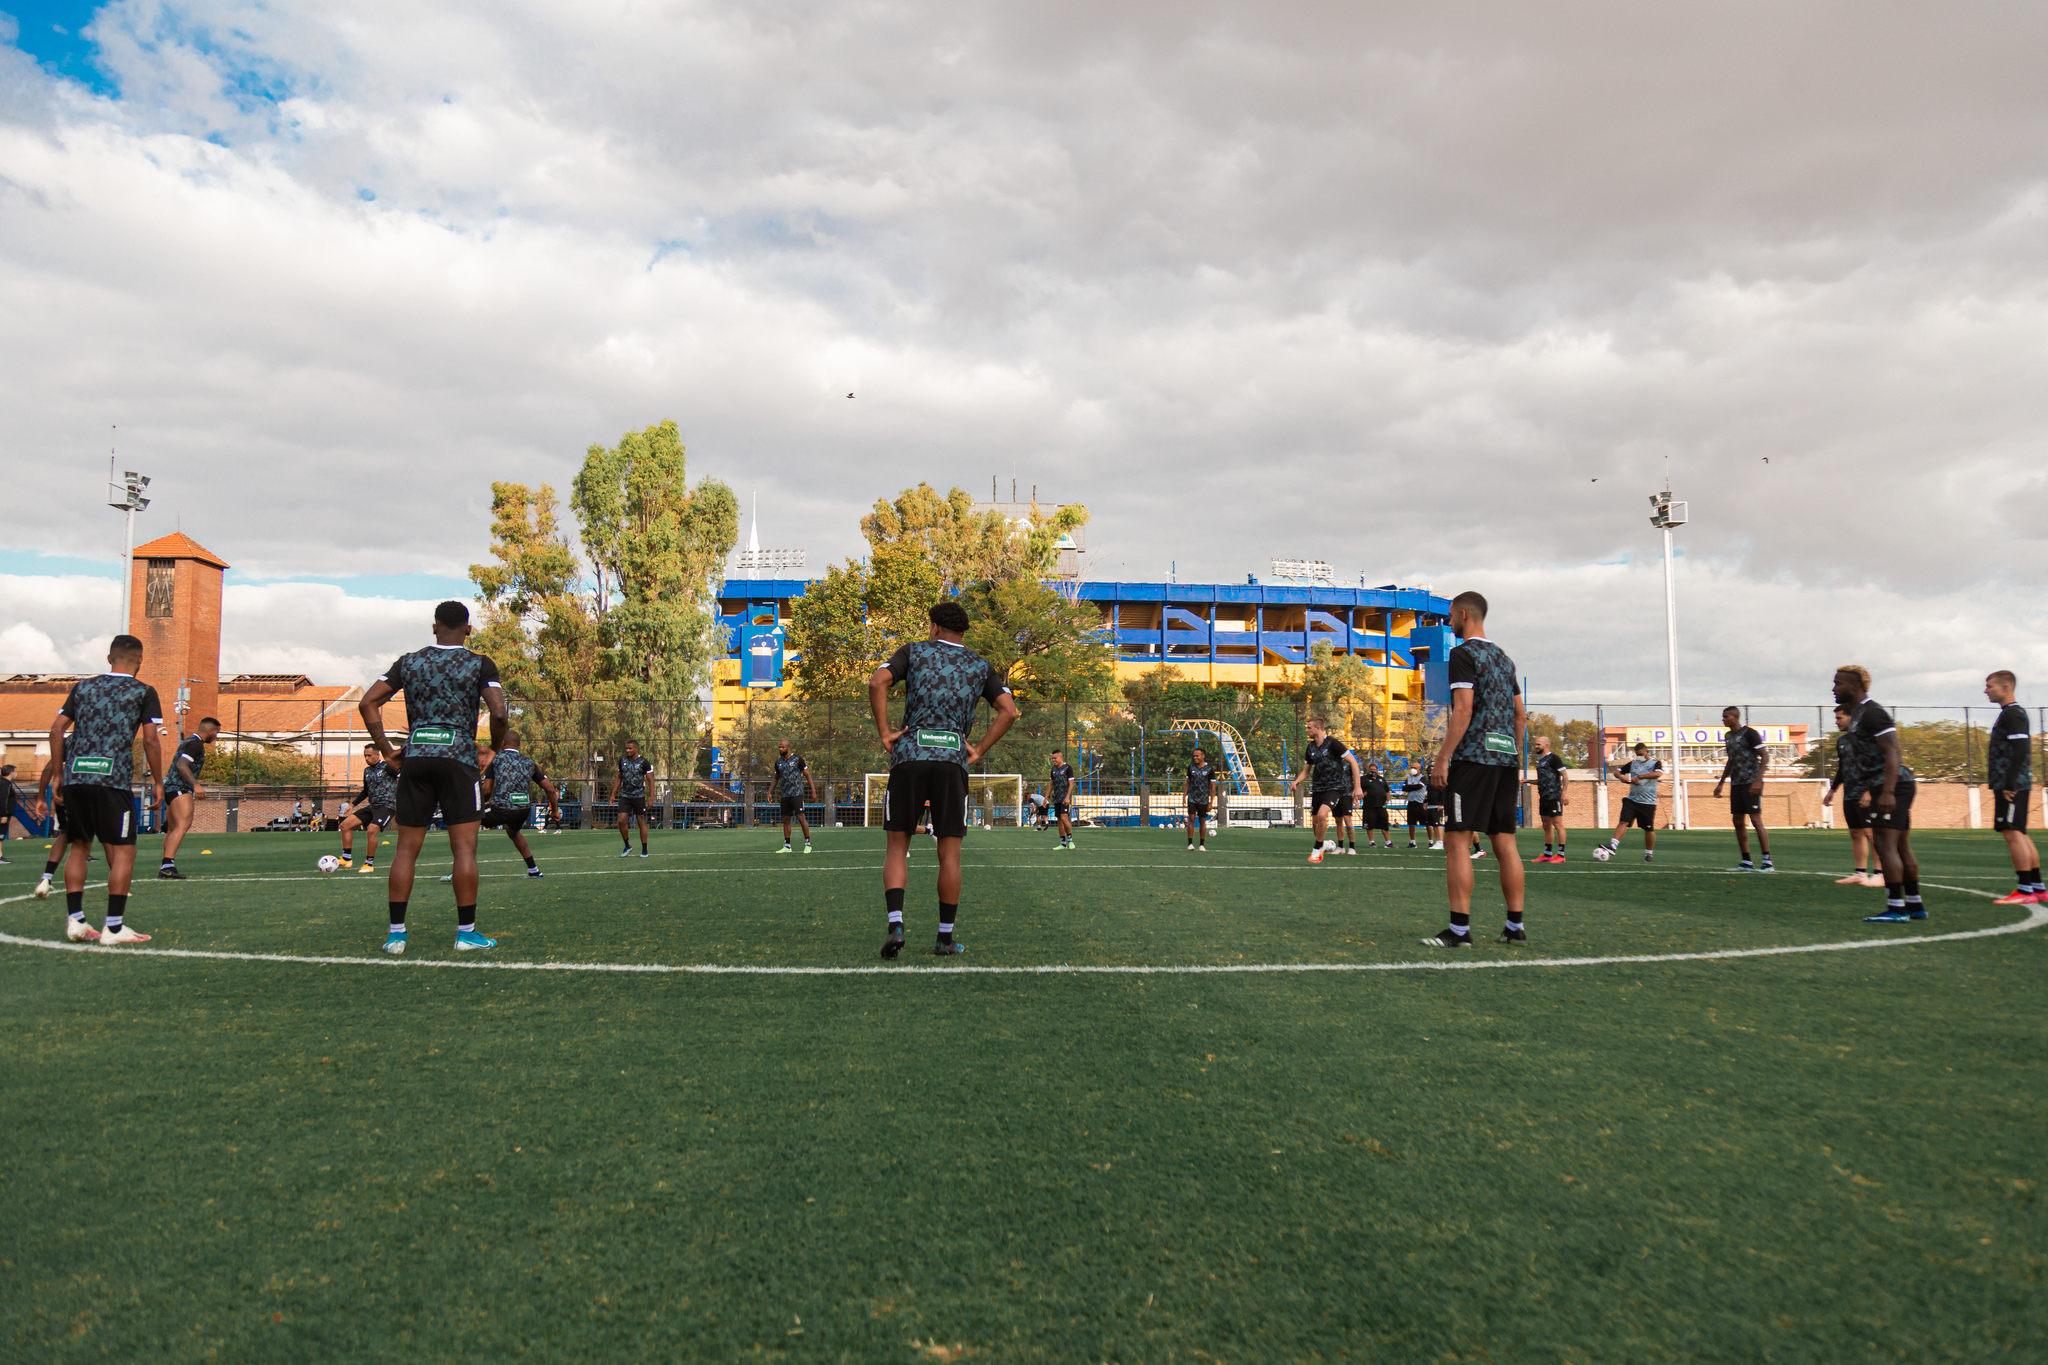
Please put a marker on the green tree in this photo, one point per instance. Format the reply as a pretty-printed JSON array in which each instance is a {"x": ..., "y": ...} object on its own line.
[
  {"x": 263, "y": 765},
  {"x": 1574, "y": 741},
  {"x": 1047, "y": 646}
]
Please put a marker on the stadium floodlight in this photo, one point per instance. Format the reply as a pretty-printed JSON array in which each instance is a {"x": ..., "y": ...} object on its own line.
[
  {"x": 1667, "y": 515},
  {"x": 126, "y": 497}
]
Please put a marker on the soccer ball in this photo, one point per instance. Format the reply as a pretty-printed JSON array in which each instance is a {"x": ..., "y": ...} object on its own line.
[
  {"x": 1602, "y": 852},
  {"x": 329, "y": 862}
]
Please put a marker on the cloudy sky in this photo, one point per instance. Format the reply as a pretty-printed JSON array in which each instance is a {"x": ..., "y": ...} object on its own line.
[{"x": 1437, "y": 293}]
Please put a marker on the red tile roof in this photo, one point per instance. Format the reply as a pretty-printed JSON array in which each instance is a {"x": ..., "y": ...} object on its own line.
[{"x": 178, "y": 545}]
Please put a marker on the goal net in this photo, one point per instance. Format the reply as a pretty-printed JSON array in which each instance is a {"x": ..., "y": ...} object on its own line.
[{"x": 992, "y": 799}]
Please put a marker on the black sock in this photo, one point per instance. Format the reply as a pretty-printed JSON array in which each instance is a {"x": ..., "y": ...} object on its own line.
[
  {"x": 529, "y": 860},
  {"x": 117, "y": 910},
  {"x": 168, "y": 862},
  {"x": 1546, "y": 848},
  {"x": 74, "y": 904},
  {"x": 625, "y": 840},
  {"x": 50, "y": 868},
  {"x": 465, "y": 919},
  {"x": 894, "y": 897},
  {"x": 946, "y": 915},
  {"x": 1912, "y": 890},
  {"x": 1514, "y": 919},
  {"x": 398, "y": 917},
  {"x": 1894, "y": 894},
  {"x": 1460, "y": 921}
]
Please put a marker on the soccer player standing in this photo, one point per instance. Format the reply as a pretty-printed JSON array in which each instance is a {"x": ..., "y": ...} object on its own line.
[
  {"x": 181, "y": 794},
  {"x": 1744, "y": 775},
  {"x": 1884, "y": 785},
  {"x": 445, "y": 685},
  {"x": 792, "y": 775},
  {"x": 1373, "y": 787},
  {"x": 1330, "y": 770},
  {"x": 2009, "y": 769},
  {"x": 1417, "y": 791},
  {"x": 1201, "y": 789},
  {"x": 97, "y": 762},
  {"x": 509, "y": 781},
  {"x": 1639, "y": 807},
  {"x": 7, "y": 802},
  {"x": 1550, "y": 799},
  {"x": 372, "y": 808},
  {"x": 1853, "y": 815},
  {"x": 629, "y": 792},
  {"x": 929, "y": 755},
  {"x": 1479, "y": 768},
  {"x": 1060, "y": 784}
]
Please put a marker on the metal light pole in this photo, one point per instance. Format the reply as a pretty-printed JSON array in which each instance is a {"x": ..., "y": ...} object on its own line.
[
  {"x": 1667, "y": 515},
  {"x": 126, "y": 497}
]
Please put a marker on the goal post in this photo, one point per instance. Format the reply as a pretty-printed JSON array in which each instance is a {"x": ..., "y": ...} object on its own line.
[{"x": 992, "y": 799}]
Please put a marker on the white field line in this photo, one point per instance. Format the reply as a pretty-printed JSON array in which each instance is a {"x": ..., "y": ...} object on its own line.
[{"x": 2037, "y": 916}]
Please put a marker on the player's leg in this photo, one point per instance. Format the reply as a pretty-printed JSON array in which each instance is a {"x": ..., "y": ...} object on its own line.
[
  {"x": 371, "y": 832},
  {"x": 785, "y": 827},
  {"x": 949, "y": 895},
  {"x": 1741, "y": 830},
  {"x": 350, "y": 823},
  {"x": 1318, "y": 815},
  {"x": 177, "y": 820},
  {"x": 59, "y": 844},
  {"x": 462, "y": 849},
  {"x": 803, "y": 822},
  {"x": 1909, "y": 871},
  {"x": 398, "y": 882},
  {"x": 1860, "y": 847},
  {"x": 625, "y": 840}
]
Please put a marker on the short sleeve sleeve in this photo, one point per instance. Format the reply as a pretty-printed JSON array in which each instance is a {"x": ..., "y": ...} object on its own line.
[
  {"x": 899, "y": 663},
  {"x": 1464, "y": 673},
  {"x": 490, "y": 771},
  {"x": 152, "y": 709},
  {"x": 487, "y": 673},
  {"x": 70, "y": 706},
  {"x": 993, "y": 686},
  {"x": 394, "y": 675}
]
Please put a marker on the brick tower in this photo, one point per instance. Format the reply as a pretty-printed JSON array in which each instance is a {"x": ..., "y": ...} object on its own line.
[{"x": 175, "y": 612}]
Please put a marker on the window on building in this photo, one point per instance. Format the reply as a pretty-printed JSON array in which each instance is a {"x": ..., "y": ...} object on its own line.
[{"x": 161, "y": 589}]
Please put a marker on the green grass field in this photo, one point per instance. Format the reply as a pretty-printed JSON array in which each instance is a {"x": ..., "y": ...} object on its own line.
[{"x": 1816, "y": 1155}]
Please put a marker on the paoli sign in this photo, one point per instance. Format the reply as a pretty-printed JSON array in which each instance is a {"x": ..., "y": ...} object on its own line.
[{"x": 1655, "y": 735}]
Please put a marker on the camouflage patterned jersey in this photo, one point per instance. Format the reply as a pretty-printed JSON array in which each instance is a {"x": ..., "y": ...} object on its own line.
[
  {"x": 1061, "y": 779},
  {"x": 105, "y": 713},
  {"x": 1845, "y": 755},
  {"x": 1550, "y": 777},
  {"x": 512, "y": 776},
  {"x": 1328, "y": 771},
  {"x": 2011, "y": 756},
  {"x": 380, "y": 788},
  {"x": 1201, "y": 783},
  {"x": 789, "y": 775},
  {"x": 942, "y": 682},
  {"x": 444, "y": 690},
  {"x": 1745, "y": 756},
  {"x": 1482, "y": 666},
  {"x": 1867, "y": 725},
  {"x": 193, "y": 751},
  {"x": 633, "y": 777}
]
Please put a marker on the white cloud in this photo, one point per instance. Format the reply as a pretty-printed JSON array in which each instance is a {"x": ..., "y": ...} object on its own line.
[{"x": 1389, "y": 287}]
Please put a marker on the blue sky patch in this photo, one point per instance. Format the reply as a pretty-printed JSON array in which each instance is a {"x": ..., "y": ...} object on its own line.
[{"x": 53, "y": 32}]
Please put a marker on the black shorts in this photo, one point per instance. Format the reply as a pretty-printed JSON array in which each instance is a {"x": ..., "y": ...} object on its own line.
[
  {"x": 792, "y": 806},
  {"x": 1853, "y": 814},
  {"x": 632, "y": 808},
  {"x": 1343, "y": 806},
  {"x": 1198, "y": 809},
  {"x": 511, "y": 819},
  {"x": 1741, "y": 802},
  {"x": 1376, "y": 818},
  {"x": 1550, "y": 807},
  {"x": 1418, "y": 816},
  {"x": 1482, "y": 797},
  {"x": 2011, "y": 816},
  {"x": 173, "y": 793},
  {"x": 913, "y": 786},
  {"x": 103, "y": 813},
  {"x": 1901, "y": 817},
  {"x": 1641, "y": 814},
  {"x": 428, "y": 783},
  {"x": 1059, "y": 810},
  {"x": 1332, "y": 799}
]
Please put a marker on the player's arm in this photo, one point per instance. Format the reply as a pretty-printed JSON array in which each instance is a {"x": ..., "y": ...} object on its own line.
[
  {"x": 1727, "y": 771},
  {"x": 811, "y": 782},
  {"x": 494, "y": 702},
  {"x": 1888, "y": 745},
  {"x": 53, "y": 770},
  {"x": 879, "y": 683},
  {"x": 1763, "y": 764},
  {"x": 1454, "y": 731},
  {"x": 153, "y": 745},
  {"x": 554, "y": 797},
  {"x": 1357, "y": 776},
  {"x": 371, "y": 709},
  {"x": 1004, "y": 705}
]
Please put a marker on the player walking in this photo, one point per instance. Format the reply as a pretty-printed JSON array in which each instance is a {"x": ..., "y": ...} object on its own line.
[
  {"x": 1201, "y": 790},
  {"x": 629, "y": 791},
  {"x": 2009, "y": 770},
  {"x": 1639, "y": 807},
  {"x": 445, "y": 685},
  {"x": 1853, "y": 815},
  {"x": 181, "y": 794},
  {"x": 1550, "y": 799},
  {"x": 509, "y": 780},
  {"x": 792, "y": 775},
  {"x": 1479, "y": 769},
  {"x": 1744, "y": 771},
  {"x": 929, "y": 755},
  {"x": 372, "y": 808},
  {"x": 1884, "y": 785},
  {"x": 1060, "y": 783},
  {"x": 97, "y": 762},
  {"x": 1331, "y": 770}
]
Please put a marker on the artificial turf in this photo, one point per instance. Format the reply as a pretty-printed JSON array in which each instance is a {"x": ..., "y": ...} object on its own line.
[{"x": 1833, "y": 1154}]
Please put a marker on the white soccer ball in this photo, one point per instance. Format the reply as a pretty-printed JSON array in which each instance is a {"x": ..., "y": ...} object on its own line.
[
  {"x": 329, "y": 862},
  {"x": 1601, "y": 852}
]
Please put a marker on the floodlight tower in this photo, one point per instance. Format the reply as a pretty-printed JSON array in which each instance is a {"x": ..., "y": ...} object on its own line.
[
  {"x": 126, "y": 496},
  {"x": 1667, "y": 515}
]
